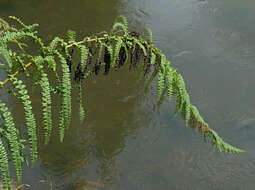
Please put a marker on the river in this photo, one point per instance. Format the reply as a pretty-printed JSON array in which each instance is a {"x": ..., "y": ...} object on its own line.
[{"x": 127, "y": 141}]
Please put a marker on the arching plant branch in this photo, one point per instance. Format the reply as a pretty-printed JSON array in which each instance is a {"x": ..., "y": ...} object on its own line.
[{"x": 98, "y": 54}]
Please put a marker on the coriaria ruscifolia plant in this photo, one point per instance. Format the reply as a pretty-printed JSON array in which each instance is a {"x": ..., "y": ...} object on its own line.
[{"x": 98, "y": 54}]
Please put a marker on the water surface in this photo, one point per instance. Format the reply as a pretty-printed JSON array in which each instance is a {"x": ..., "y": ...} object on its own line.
[{"x": 127, "y": 142}]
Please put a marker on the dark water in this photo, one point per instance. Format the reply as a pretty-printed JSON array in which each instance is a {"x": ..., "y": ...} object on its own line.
[{"x": 126, "y": 141}]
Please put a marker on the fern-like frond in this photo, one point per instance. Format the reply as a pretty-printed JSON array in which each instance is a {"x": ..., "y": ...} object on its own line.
[
  {"x": 66, "y": 106},
  {"x": 54, "y": 43},
  {"x": 5, "y": 53},
  {"x": 16, "y": 36},
  {"x": 119, "y": 25},
  {"x": 70, "y": 36},
  {"x": 25, "y": 27},
  {"x": 11, "y": 36},
  {"x": 161, "y": 76},
  {"x": 116, "y": 51},
  {"x": 29, "y": 116},
  {"x": 52, "y": 65},
  {"x": 153, "y": 58},
  {"x": 84, "y": 55},
  {"x": 123, "y": 19},
  {"x": 222, "y": 146},
  {"x": 18, "y": 21},
  {"x": 46, "y": 104},
  {"x": 19, "y": 62},
  {"x": 181, "y": 92},
  {"x": 4, "y": 26},
  {"x": 170, "y": 80},
  {"x": 4, "y": 167},
  {"x": 198, "y": 123},
  {"x": 123, "y": 24},
  {"x": 51, "y": 62},
  {"x": 186, "y": 110},
  {"x": 184, "y": 102},
  {"x": 142, "y": 47},
  {"x": 161, "y": 83},
  {"x": 12, "y": 139}
]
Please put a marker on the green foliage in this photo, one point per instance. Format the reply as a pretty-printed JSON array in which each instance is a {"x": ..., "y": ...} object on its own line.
[
  {"x": 70, "y": 36},
  {"x": 84, "y": 55},
  {"x": 66, "y": 107},
  {"x": 4, "y": 166},
  {"x": 29, "y": 116},
  {"x": 19, "y": 21},
  {"x": 116, "y": 51},
  {"x": 141, "y": 46},
  {"x": 123, "y": 24},
  {"x": 153, "y": 58},
  {"x": 111, "y": 51},
  {"x": 46, "y": 104},
  {"x": 10, "y": 134},
  {"x": 170, "y": 80},
  {"x": 54, "y": 44},
  {"x": 198, "y": 123},
  {"x": 4, "y": 52},
  {"x": 161, "y": 76},
  {"x": 51, "y": 62}
]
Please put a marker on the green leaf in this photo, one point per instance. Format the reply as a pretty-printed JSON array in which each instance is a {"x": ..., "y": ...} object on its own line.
[
  {"x": 84, "y": 55},
  {"x": 4, "y": 52},
  {"x": 70, "y": 36}
]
